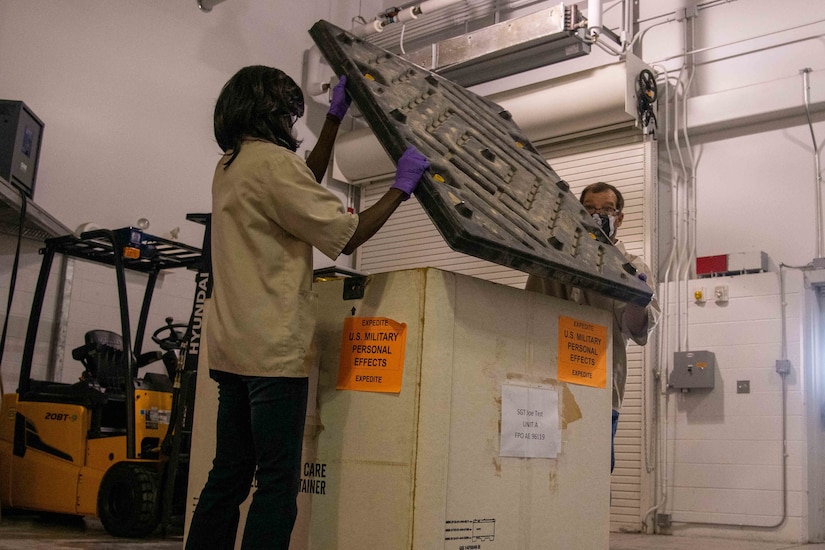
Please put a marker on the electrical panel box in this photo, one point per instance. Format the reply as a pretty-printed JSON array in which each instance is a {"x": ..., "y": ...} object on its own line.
[
  {"x": 20, "y": 135},
  {"x": 693, "y": 370},
  {"x": 732, "y": 264}
]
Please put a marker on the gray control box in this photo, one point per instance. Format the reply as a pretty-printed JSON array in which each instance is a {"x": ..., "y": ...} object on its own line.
[
  {"x": 693, "y": 370},
  {"x": 20, "y": 135}
]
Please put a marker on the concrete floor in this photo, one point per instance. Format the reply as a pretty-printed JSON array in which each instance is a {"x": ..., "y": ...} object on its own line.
[
  {"x": 633, "y": 541},
  {"x": 33, "y": 532},
  {"x": 24, "y": 531}
]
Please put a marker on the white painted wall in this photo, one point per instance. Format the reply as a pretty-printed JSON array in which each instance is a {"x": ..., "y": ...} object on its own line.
[
  {"x": 766, "y": 176},
  {"x": 126, "y": 91},
  {"x": 721, "y": 467}
]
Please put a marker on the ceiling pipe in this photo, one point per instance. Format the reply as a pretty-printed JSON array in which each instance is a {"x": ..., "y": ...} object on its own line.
[
  {"x": 806, "y": 95},
  {"x": 400, "y": 15},
  {"x": 594, "y": 18},
  {"x": 317, "y": 74}
]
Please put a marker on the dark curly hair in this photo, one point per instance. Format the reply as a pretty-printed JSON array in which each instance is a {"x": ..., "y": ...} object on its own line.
[{"x": 258, "y": 102}]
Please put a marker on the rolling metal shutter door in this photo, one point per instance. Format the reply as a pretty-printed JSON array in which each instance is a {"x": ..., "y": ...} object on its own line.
[{"x": 620, "y": 157}]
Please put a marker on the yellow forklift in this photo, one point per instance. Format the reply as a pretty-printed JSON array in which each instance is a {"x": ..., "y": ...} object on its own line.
[{"x": 114, "y": 444}]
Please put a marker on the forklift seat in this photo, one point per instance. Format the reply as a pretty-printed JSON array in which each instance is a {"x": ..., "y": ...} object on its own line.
[{"x": 102, "y": 356}]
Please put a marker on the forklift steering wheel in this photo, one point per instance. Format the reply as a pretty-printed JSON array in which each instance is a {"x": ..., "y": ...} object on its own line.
[{"x": 174, "y": 338}]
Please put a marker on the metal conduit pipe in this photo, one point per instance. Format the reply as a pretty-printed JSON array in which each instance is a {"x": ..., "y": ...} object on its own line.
[
  {"x": 656, "y": 455},
  {"x": 681, "y": 216},
  {"x": 594, "y": 18},
  {"x": 735, "y": 42},
  {"x": 314, "y": 84},
  {"x": 693, "y": 163},
  {"x": 806, "y": 92},
  {"x": 395, "y": 15}
]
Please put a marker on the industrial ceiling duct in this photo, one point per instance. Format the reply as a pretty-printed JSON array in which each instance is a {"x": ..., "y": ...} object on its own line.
[
  {"x": 514, "y": 46},
  {"x": 598, "y": 98}
]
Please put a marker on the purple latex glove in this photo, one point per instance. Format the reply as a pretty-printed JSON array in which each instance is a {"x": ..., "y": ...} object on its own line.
[
  {"x": 408, "y": 171},
  {"x": 340, "y": 99}
]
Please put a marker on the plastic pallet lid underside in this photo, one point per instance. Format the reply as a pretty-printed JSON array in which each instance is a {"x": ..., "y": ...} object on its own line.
[{"x": 488, "y": 191}]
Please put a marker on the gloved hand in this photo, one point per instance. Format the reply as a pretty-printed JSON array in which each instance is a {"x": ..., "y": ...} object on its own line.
[
  {"x": 409, "y": 170},
  {"x": 340, "y": 99}
]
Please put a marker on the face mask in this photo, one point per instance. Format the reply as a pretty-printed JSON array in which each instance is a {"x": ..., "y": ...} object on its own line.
[{"x": 606, "y": 223}]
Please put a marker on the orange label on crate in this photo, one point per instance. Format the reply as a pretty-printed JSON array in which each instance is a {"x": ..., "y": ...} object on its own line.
[
  {"x": 372, "y": 355},
  {"x": 582, "y": 352}
]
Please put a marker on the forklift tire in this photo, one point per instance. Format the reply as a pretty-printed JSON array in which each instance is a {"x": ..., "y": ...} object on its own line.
[{"x": 128, "y": 500}]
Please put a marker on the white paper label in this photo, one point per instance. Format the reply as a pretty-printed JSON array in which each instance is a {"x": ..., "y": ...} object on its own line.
[{"x": 529, "y": 422}]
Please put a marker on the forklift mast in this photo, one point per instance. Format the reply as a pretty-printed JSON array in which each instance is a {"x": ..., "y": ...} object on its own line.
[{"x": 178, "y": 442}]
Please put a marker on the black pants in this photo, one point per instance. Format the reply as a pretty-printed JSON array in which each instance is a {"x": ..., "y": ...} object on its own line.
[
  {"x": 259, "y": 435},
  {"x": 612, "y": 439}
]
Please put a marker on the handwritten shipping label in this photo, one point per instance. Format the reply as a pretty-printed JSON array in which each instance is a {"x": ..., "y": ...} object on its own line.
[{"x": 529, "y": 422}]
